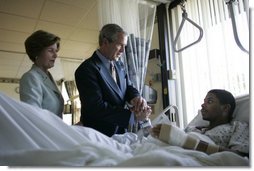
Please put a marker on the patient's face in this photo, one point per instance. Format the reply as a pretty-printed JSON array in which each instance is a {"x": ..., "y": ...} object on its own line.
[{"x": 211, "y": 110}]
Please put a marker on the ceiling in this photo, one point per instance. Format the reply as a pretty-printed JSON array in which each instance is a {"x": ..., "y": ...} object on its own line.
[{"x": 75, "y": 21}]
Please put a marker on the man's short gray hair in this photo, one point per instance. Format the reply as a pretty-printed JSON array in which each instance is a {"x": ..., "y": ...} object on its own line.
[{"x": 109, "y": 32}]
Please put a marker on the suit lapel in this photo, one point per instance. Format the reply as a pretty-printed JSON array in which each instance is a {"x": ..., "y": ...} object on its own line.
[
  {"x": 47, "y": 80},
  {"x": 51, "y": 83},
  {"x": 121, "y": 76},
  {"x": 108, "y": 78}
]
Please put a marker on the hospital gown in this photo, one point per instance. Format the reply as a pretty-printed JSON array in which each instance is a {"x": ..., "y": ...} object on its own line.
[{"x": 233, "y": 135}]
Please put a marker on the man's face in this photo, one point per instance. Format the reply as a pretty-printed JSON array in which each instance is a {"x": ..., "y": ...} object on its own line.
[
  {"x": 211, "y": 108},
  {"x": 116, "y": 48}
]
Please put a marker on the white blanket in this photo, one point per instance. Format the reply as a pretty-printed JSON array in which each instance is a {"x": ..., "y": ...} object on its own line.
[{"x": 31, "y": 136}]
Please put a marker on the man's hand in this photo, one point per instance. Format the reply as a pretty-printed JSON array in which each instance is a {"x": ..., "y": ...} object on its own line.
[
  {"x": 144, "y": 114},
  {"x": 139, "y": 104}
]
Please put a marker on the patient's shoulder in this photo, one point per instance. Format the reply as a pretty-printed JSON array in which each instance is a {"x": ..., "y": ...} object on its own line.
[{"x": 240, "y": 126}]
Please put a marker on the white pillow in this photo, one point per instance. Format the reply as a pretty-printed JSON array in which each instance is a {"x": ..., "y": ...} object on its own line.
[
  {"x": 242, "y": 109},
  {"x": 198, "y": 121},
  {"x": 241, "y": 112}
]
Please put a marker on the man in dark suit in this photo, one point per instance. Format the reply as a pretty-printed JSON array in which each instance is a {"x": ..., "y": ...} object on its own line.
[{"x": 103, "y": 100}]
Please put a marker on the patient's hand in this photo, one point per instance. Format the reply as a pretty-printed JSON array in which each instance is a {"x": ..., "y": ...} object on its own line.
[{"x": 155, "y": 131}]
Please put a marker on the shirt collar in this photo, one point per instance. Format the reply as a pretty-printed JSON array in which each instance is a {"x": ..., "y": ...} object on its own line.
[{"x": 104, "y": 60}]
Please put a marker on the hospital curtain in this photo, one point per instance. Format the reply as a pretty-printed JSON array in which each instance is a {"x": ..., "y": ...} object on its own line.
[
  {"x": 216, "y": 61},
  {"x": 137, "y": 18}
]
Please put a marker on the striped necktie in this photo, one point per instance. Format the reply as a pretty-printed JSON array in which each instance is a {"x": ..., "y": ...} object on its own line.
[{"x": 113, "y": 70}]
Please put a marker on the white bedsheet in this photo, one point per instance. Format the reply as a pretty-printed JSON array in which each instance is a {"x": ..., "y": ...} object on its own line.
[{"x": 30, "y": 136}]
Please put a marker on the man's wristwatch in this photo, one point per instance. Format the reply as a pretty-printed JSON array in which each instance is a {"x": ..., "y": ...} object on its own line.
[{"x": 145, "y": 124}]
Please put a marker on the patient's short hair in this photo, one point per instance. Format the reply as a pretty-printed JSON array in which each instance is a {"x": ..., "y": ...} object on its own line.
[
  {"x": 225, "y": 97},
  {"x": 38, "y": 41}
]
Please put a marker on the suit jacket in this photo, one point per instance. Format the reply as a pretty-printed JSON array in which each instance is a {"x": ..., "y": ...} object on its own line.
[
  {"x": 36, "y": 88},
  {"x": 102, "y": 100}
]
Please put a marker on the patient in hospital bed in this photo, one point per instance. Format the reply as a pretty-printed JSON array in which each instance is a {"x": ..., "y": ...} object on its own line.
[
  {"x": 222, "y": 134},
  {"x": 32, "y": 136}
]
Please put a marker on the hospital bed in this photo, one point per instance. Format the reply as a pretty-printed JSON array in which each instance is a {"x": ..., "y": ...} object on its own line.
[{"x": 30, "y": 136}]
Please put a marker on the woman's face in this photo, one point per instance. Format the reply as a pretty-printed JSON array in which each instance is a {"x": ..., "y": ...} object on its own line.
[
  {"x": 116, "y": 48},
  {"x": 211, "y": 110},
  {"x": 47, "y": 57}
]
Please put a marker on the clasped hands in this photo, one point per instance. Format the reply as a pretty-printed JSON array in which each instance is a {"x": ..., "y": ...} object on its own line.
[{"x": 140, "y": 108}]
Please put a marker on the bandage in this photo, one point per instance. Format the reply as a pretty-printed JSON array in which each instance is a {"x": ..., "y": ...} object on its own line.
[
  {"x": 207, "y": 147},
  {"x": 191, "y": 142},
  {"x": 177, "y": 137},
  {"x": 212, "y": 148}
]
